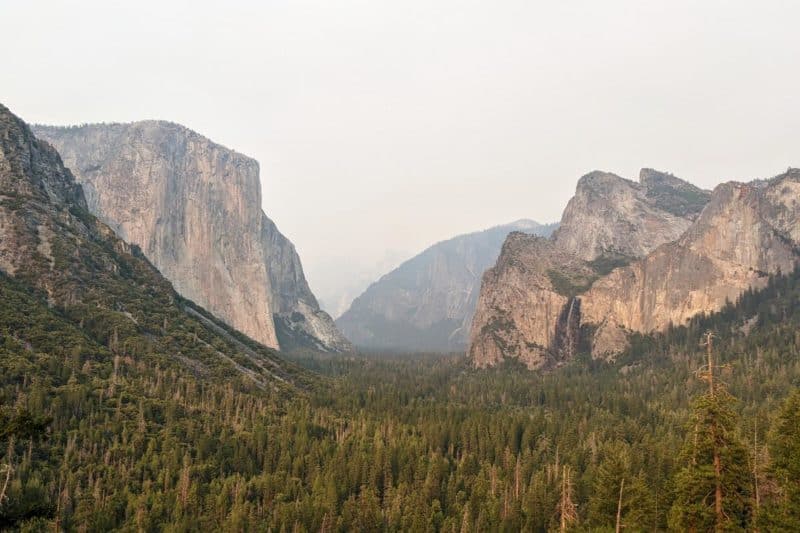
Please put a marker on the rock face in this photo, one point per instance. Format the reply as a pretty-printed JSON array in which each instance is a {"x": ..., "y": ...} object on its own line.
[
  {"x": 744, "y": 234},
  {"x": 427, "y": 303},
  {"x": 524, "y": 311},
  {"x": 531, "y": 304},
  {"x": 100, "y": 292},
  {"x": 194, "y": 208},
  {"x": 614, "y": 217}
]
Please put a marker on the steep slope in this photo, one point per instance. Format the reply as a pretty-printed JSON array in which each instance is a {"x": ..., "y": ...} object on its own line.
[
  {"x": 746, "y": 233},
  {"x": 65, "y": 265},
  {"x": 529, "y": 306},
  {"x": 194, "y": 208},
  {"x": 427, "y": 303}
]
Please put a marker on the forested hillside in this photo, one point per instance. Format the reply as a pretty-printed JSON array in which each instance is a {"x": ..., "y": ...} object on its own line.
[{"x": 393, "y": 444}]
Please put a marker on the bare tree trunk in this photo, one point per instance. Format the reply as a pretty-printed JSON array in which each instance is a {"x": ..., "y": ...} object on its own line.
[
  {"x": 9, "y": 470},
  {"x": 563, "y": 527},
  {"x": 757, "y": 496},
  {"x": 717, "y": 460},
  {"x": 567, "y": 506},
  {"x": 718, "y": 490},
  {"x": 619, "y": 506}
]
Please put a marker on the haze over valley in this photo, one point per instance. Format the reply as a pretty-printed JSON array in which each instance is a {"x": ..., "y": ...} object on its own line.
[{"x": 400, "y": 267}]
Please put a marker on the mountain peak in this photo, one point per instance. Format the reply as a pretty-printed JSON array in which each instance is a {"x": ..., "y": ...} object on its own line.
[
  {"x": 611, "y": 215},
  {"x": 599, "y": 181},
  {"x": 21, "y": 154},
  {"x": 427, "y": 303},
  {"x": 530, "y": 302},
  {"x": 524, "y": 224},
  {"x": 672, "y": 194},
  {"x": 100, "y": 289}
]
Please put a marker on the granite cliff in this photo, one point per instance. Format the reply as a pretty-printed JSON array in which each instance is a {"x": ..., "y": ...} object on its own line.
[
  {"x": 68, "y": 281},
  {"x": 522, "y": 300},
  {"x": 746, "y": 233},
  {"x": 610, "y": 216},
  {"x": 194, "y": 208},
  {"x": 532, "y": 304}
]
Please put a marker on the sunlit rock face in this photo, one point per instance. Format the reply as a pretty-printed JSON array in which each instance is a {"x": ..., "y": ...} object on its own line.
[
  {"x": 538, "y": 304},
  {"x": 525, "y": 308},
  {"x": 194, "y": 208},
  {"x": 746, "y": 233}
]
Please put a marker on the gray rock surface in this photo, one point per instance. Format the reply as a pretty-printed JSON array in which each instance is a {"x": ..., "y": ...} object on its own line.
[
  {"x": 612, "y": 216},
  {"x": 87, "y": 288},
  {"x": 522, "y": 300},
  {"x": 194, "y": 208}
]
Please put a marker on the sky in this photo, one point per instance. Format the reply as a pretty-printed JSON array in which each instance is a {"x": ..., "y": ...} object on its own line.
[{"x": 382, "y": 127}]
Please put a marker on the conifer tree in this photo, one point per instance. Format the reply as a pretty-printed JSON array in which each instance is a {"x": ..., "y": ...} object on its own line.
[
  {"x": 785, "y": 448},
  {"x": 713, "y": 486}
]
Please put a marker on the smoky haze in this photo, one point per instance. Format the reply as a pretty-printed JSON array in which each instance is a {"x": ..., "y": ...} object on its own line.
[{"x": 382, "y": 127}]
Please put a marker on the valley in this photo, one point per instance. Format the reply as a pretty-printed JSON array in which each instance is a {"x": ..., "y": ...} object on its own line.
[{"x": 428, "y": 266}]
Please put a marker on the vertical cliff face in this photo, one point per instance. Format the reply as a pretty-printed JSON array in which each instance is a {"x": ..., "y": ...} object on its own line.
[
  {"x": 428, "y": 302},
  {"x": 194, "y": 208},
  {"x": 531, "y": 305},
  {"x": 742, "y": 234},
  {"x": 299, "y": 321},
  {"x": 746, "y": 232},
  {"x": 96, "y": 292},
  {"x": 526, "y": 306}
]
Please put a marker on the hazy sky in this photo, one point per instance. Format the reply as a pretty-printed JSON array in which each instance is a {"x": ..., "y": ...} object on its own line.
[{"x": 382, "y": 127}]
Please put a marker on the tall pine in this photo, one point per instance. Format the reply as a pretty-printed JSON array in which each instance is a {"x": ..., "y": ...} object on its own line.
[
  {"x": 784, "y": 513},
  {"x": 712, "y": 489}
]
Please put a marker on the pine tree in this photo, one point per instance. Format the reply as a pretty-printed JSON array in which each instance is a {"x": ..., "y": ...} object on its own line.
[
  {"x": 785, "y": 448},
  {"x": 713, "y": 487}
]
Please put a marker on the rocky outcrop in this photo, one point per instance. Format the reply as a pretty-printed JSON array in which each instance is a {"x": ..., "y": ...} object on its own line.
[
  {"x": 194, "y": 208},
  {"x": 614, "y": 217},
  {"x": 527, "y": 306},
  {"x": 673, "y": 195},
  {"x": 428, "y": 302},
  {"x": 532, "y": 304},
  {"x": 746, "y": 233},
  {"x": 299, "y": 321}
]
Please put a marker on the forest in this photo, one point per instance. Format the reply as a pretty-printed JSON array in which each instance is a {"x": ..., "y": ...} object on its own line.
[{"x": 97, "y": 436}]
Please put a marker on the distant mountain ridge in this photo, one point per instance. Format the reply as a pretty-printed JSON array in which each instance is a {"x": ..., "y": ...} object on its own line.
[
  {"x": 194, "y": 208},
  {"x": 427, "y": 303}
]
